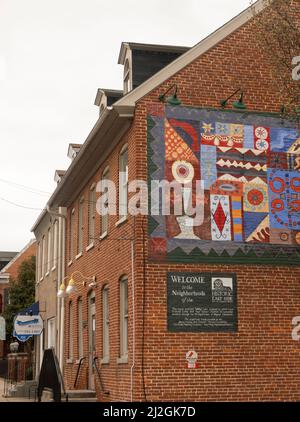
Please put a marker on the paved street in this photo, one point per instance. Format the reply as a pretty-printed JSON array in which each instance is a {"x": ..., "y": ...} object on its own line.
[{"x": 10, "y": 399}]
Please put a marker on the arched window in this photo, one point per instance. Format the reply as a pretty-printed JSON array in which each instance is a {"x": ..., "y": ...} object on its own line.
[
  {"x": 123, "y": 182},
  {"x": 71, "y": 234},
  {"x": 92, "y": 213},
  {"x": 105, "y": 318},
  {"x": 71, "y": 332},
  {"x": 55, "y": 243},
  {"x": 49, "y": 250},
  {"x": 105, "y": 218},
  {"x": 124, "y": 318},
  {"x": 80, "y": 227},
  {"x": 79, "y": 328}
]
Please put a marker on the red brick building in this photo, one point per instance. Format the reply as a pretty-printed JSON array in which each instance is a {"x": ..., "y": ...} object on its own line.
[{"x": 130, "y": 320}]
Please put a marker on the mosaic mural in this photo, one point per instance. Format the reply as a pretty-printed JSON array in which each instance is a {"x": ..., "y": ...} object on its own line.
[{"x": 249, "y": 164}]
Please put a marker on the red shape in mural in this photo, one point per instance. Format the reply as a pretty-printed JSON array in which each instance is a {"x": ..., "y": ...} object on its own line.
[
  {"x": 220, "y": 217},
  {"x": 255, "y": 197}
]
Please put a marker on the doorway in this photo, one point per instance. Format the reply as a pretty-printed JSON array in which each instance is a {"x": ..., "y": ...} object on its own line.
[{"x": 92, "y": 338}]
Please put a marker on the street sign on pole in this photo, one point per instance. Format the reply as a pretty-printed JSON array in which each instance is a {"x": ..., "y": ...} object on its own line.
[{"x": 27, "y": 325}]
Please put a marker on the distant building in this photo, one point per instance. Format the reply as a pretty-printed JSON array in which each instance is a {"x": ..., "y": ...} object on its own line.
[
  {"x": 5, "y": 258},
  {"x": 9, "y": 272}
]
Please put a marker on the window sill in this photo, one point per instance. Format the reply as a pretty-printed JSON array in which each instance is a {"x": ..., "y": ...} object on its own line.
[
  {"x": 103, "y": 236},
  {"x": 69, "y": 361},
  {"x": 47, "y": 273},
  {"x": 70, "y": 263},
  {"x": 121, "y": 221},
  {"x": 123, "y": 359},
  {"x": 42, "y": 278},
  {"x": 104, "y": 361},
  {"x": 88, "y": 248},
  {"x": 53, "y": 268},
  {"x": 78, "y": 256}
]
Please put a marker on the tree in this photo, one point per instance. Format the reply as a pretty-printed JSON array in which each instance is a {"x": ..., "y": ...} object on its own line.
[
  {"x": 21, "y": 293},
  {"x": 278, "y": 33}
]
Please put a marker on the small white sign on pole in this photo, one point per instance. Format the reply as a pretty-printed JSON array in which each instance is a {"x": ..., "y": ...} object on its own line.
[{"x": 28, "y": 325}]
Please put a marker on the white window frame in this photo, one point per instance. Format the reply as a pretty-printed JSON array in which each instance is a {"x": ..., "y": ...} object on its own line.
[
  {"x": 71, "y": 332},
  {"x": 127, "y": 77},
  {"x": 55, "y": 244},
  {"x": 41, "y": 347},
  {"x": 105, "y": 218},
  {"x": 38, "y": 260},
  {"x": 51, "y": 337},
  {"x": 80, "y": 327},
  {"x": 49, "y": 250},
  {"x": 92, "y": 214},
  {"x": 124, "y": 319},
  {"x": 71, "y": 237},
  {"x": 123, "y": 182},
  {"x": 43, "y": 260},
  {"x": 80, "y": 226},
  {"x": 105, "y": 320}
]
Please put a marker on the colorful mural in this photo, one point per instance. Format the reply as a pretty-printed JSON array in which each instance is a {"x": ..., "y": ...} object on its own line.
[{"x": 249, "y": 164}]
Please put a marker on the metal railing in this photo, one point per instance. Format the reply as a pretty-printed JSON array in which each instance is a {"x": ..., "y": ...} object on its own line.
[
  {"x": 106, "y": 392},
  {"x": 78, "y": 370}
]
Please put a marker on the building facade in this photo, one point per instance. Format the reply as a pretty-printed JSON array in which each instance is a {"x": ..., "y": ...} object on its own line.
[
  {"x": 161, "y": 301},
  {"x": 49, "y": 231}
]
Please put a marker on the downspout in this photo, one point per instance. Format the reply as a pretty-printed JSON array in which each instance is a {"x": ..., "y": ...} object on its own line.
[
  {"x": 61, "y": 302},
  {"x": 60, "y": 276},
  {"x": 133, "y": 320}
]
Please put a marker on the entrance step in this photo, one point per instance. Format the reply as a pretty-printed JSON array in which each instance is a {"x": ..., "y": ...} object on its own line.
[
  {"x": 86, "y": 396},
  {"x": 82, "y": 396}
]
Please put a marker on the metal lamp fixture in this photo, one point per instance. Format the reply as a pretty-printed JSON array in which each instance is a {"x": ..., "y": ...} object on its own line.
[
  {"x": 173, "y": 99},
  {"x": 62, "y": 291},
  {"x": 236, "y": 104},
  {"x": 71, "y": 288}
]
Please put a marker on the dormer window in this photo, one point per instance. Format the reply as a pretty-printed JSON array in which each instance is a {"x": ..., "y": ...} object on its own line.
[
  {"x": 106, "y": 98},
  {"x": 73, "y": 150},
  {"x": 127, "y": 81}
]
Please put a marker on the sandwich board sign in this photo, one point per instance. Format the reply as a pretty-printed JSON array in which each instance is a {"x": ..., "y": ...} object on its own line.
[{"x": 26, "y": 325}]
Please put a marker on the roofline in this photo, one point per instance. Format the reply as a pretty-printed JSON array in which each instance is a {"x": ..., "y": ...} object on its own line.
[
  {"x": 10, "y": 254},
  {"x": 185, "y": 59},
  {"x": 4, "y": 269},
  {"x": 75, "y": 145},
  {"x": 149, "y": 47},
  {"x": 113, "y": 119},
  {"x": 112, "y": 91},
  {"x": 39, "y": 219}
]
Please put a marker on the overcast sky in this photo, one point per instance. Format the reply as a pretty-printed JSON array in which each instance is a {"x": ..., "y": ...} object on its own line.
[{"x": 54, "y": 54}]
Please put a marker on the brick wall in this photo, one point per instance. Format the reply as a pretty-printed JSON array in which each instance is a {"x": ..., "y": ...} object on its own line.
[
  {"x": 260, "y": 361},
  {"x": 14, "y": 267}
]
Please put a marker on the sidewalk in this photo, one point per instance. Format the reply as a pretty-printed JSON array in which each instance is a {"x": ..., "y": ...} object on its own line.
[{"x": 10, "y": 399}]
